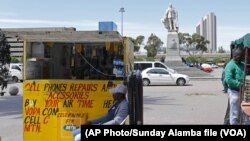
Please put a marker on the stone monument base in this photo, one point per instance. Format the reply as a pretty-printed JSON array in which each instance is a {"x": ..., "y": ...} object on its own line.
[
  {"x": 172, "y": 49},
  {"x": 174, "y": 61}
]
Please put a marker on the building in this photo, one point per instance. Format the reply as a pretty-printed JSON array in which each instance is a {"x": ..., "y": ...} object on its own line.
[
  {"x": 208, "y": 29},
  {"x": 16, "y": 45}
]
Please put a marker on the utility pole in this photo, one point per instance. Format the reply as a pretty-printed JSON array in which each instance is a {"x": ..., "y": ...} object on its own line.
[{"x": 122, "y": 10}]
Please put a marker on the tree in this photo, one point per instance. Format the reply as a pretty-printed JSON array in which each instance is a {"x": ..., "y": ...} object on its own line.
[
  {"x": 139, "y": 39},
  {"x": 137, "y": 42},
  {"x": 152, "y": 45},
  {"x": 221, "y": 50},
  {"x": 200, "y": 42},
  {"x": 14, "y": 60},
  {"x": 194, "y": 42},
  {"x": 184, "y": 41},
  {"x": 183, "y": 38}
]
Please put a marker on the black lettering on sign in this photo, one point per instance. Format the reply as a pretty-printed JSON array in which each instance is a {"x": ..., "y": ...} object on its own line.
[
  {"x": 68, "y": 103},
  {"x": 30, "y": 102},
  {"x": 104, "y": 88},
  {"x": 55, "y": 87},
  {"x": 50, "y": 111},
  {"x": 32, "y": 120},
  {"x": 107, "y": 103}
]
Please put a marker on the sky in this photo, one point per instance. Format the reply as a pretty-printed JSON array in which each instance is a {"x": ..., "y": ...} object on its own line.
[{"x": 141, "y": 17}]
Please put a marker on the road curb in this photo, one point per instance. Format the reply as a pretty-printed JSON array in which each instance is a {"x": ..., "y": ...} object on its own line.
[{"x": 204, "y": 78}]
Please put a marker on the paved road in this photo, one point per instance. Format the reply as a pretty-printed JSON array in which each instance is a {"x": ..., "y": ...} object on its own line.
[
  {"x": 11, "y": 115},
  {"x": 201, "y": 102}
]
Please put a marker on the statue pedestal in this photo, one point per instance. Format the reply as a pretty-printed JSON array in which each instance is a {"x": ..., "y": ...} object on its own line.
[
  {"x": 174, "y": 61},
  {"x": 172, "y": 50}
]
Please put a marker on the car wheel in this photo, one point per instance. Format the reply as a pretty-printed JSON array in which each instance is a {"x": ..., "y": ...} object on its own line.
[
  {"x": 145, "y": 82},
  {"x": 181, "y": 82},
  {"x": 15, "y": 79}
]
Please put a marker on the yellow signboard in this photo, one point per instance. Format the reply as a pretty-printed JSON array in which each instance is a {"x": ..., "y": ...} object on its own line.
[{"x": 53, "y": 108}]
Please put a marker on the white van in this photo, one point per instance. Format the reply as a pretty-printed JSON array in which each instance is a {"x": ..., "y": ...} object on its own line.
[
  {"x": 16, "y": 71},
  {"x": 142, "y": 65}
]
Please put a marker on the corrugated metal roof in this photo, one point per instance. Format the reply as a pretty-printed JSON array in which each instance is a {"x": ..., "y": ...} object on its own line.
[{"x": 65, "y": 36}]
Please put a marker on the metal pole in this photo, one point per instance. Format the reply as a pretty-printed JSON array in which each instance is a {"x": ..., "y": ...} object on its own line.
[{"x": 122, "y": 10}]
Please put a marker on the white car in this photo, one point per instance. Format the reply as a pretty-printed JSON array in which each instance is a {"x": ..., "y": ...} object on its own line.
[
  {"x": 15, "y": 70},
  {"x": 142, "y": 65},
  {"x": 161, "y": 76}
]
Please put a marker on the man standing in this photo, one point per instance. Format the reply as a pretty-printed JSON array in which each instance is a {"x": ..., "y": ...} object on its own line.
[{"x": 234, "y": 76}]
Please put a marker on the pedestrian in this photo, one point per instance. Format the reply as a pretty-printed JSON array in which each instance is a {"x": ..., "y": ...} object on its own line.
[
  {"x": 162, "y": 59},
  {"x": 234, "y": 76},
  {"x": 116, "y": 114}
]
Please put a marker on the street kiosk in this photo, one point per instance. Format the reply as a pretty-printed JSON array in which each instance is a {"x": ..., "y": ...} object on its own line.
[{"x": 67, "y": 77}]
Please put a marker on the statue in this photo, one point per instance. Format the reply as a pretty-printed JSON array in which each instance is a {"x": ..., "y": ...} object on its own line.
[{"x": 170, "y": 19}]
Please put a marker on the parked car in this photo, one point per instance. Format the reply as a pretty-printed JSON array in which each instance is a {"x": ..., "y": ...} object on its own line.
[
  {"x": 206, "y": 68},
  {"x": 162, "y": 76},
  {"x": 16, "y": 72},
  {"x": 214, "y": 66}
]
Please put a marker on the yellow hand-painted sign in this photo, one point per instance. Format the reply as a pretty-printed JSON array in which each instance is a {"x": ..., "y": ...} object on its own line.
[{"x": 53, "y": 108}]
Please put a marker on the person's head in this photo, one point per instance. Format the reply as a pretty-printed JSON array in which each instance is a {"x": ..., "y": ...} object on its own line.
[
  {"x": 170, "y": 5},
  {"x": 119, "y": 92},
  {"x": 238, "y": 54}
]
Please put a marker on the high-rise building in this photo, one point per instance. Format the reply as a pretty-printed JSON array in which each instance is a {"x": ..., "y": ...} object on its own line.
[{"x": 207, "y": 28}]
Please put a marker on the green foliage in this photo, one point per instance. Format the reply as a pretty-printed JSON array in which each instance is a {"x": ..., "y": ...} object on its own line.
[
  {"x": 195, "y": 41},
  {"x": 221, "y": 50},
  {"x": 139, "y": 59},
  {"x": 196, "y": 59},
  {"x": 200, "y": 42},
  {"x": 192, "y": 59},
  {"x": 14, "y": 60},
  {"x": 137, "y": 42},
  {"x": 226, "y": 59},
  {"x": 153, "y": 44},
  {"x": 151, "y": 51},
  {"x": 202, "y": 60},
  {"x": 150, "y": 59},
  {"x": 217, "y": 60}
]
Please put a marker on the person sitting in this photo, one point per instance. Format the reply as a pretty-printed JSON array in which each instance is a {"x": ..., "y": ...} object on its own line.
[{"x": 116, "y": 113}]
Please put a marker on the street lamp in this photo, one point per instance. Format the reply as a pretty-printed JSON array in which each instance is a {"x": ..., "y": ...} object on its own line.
[{"x": 122, "y": 10}]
